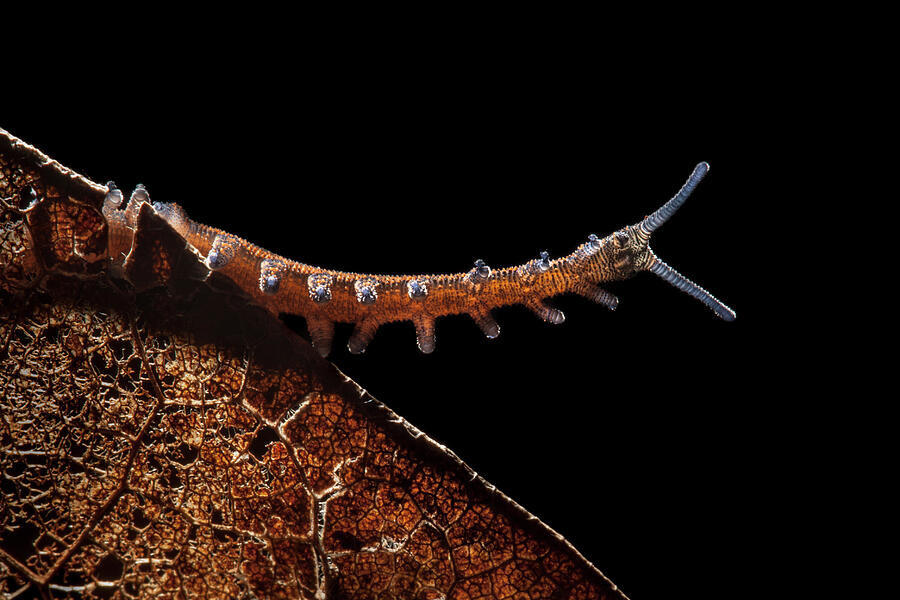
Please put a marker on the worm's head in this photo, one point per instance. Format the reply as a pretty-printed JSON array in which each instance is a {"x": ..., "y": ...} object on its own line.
[{"x": 630, "y": 250}]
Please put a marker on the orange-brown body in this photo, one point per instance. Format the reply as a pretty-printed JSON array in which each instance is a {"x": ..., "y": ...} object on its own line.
[
  {"x": 324, "y": 296},
  {"x": 474, "y": 293}
]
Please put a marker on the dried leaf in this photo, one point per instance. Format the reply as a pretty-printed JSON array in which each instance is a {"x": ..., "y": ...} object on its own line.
[{"x": 164, "y": 438}]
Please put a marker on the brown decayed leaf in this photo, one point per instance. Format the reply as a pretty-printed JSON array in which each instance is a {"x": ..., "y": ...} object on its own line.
[{"x": 163, "y": 438}]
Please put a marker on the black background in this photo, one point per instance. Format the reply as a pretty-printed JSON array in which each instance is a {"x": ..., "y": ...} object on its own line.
[{"x": 642, "y": 435}]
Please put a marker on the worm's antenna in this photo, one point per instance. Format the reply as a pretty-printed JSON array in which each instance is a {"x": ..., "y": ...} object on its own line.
[
  {"x": 687, "y": 286},
  {"x": 661, "y": 269},
  {"x": 651, "y": 223}
]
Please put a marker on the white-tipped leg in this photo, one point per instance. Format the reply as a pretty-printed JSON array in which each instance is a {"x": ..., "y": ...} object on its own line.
[
  {"x": 425, "y": 334},
  {"x": 546, "y": 312},
  {"x": 361, "y": 336},
  {"x": 321, "y": 331},
  {"x": 596, "y": 294},
  {"x": 486, "y": 323}
]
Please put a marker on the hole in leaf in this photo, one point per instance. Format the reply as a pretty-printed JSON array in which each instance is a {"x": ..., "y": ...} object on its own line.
[
  {"x": 139, "y": 519},
  {"x": 185, "y": 454},
  {"x": 347, "y": 541},
  {"x": 265, "y": 436},
  {"x": 109, "y": 568}
]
